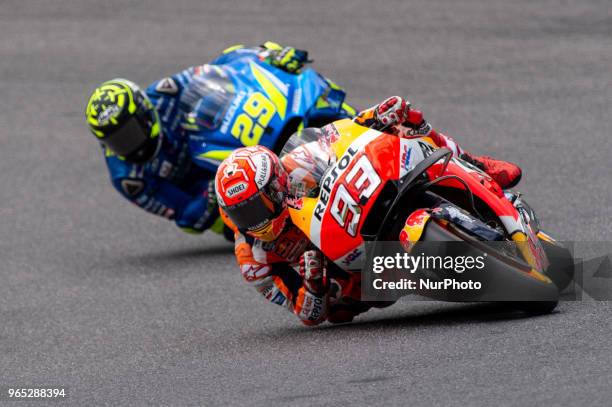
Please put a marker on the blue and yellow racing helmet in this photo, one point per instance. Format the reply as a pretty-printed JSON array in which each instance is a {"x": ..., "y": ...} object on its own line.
[{"x": 124, "y": 120}]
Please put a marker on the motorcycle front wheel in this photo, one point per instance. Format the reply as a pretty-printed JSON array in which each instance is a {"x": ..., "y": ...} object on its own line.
[{"x": 507, "y": 280}]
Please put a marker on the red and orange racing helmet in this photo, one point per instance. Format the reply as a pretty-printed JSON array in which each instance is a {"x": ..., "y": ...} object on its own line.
[{"x": 251, "y": 186}]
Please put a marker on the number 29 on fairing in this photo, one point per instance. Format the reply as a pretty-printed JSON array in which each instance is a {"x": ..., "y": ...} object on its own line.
[{"x": 251, "y": 125}]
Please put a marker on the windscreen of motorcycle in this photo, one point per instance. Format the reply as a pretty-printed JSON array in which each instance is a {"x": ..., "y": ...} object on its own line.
[
  {"x": 208, "y": 96},
  {"x": 306, "y": 156}
]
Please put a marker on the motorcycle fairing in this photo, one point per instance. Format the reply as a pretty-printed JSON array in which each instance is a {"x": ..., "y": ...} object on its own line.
[
  {"x": 264, "y": 101},
  {"x": 365, "y": 161}
]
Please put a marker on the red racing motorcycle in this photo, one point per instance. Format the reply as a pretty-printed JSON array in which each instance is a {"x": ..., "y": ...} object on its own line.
[{"x": 374, "y": 188}]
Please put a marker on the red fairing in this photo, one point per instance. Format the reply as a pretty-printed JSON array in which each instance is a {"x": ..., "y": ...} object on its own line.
[
  {"x": 358, "y": 185},
  {"x": 481, "y": 185}
]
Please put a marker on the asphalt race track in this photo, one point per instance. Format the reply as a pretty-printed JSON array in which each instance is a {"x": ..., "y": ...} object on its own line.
[{"x": 120, "y": 307}]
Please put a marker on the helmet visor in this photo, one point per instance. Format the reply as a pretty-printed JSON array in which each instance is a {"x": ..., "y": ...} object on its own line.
[
  {"x": 128, "y": 138},
  {"x": 252, "y": 214}
]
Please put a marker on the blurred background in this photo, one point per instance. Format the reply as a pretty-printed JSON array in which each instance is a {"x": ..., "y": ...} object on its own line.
[{"x": 121, "y": 307}]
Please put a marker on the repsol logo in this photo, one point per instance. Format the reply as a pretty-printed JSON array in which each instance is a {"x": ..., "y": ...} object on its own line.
[
  {"x": 316, "y": 305},
  {"x": 330, "y": 179}
]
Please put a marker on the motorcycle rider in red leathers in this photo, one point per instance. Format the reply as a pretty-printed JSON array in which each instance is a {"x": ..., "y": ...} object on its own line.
[{"x": 274, "y": 256}]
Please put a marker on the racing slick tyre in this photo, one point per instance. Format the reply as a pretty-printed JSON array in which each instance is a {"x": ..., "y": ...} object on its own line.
[
  {"x": 561, "y": 268},
  {"x": 505, "y": 279}
]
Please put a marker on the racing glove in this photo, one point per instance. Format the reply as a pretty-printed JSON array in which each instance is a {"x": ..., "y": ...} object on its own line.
[
  {"x": 312, "y": 301},
  {"x": 313, "y": 271},
  {"x": 396, "y": 113},
  {"x": 288, "y": 59}
]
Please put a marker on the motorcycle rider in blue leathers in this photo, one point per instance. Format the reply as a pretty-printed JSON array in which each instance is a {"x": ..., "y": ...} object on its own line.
[{"x": 144, "y": 136}]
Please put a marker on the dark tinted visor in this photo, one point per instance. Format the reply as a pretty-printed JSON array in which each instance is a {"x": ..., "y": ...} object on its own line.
[
  {"x": 252, "y": 214},
  {"x": 128, "y": 138}
]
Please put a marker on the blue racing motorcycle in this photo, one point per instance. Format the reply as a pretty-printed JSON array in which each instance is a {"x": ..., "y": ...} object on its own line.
[{"x": 246, "y": 102}]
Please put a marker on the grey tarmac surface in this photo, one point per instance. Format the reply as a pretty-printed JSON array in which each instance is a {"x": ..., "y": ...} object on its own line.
[{"x": 123, "y": 309}]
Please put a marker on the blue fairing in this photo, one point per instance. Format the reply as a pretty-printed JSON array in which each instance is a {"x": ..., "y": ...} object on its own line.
[{"x": 263, "y": 104}]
